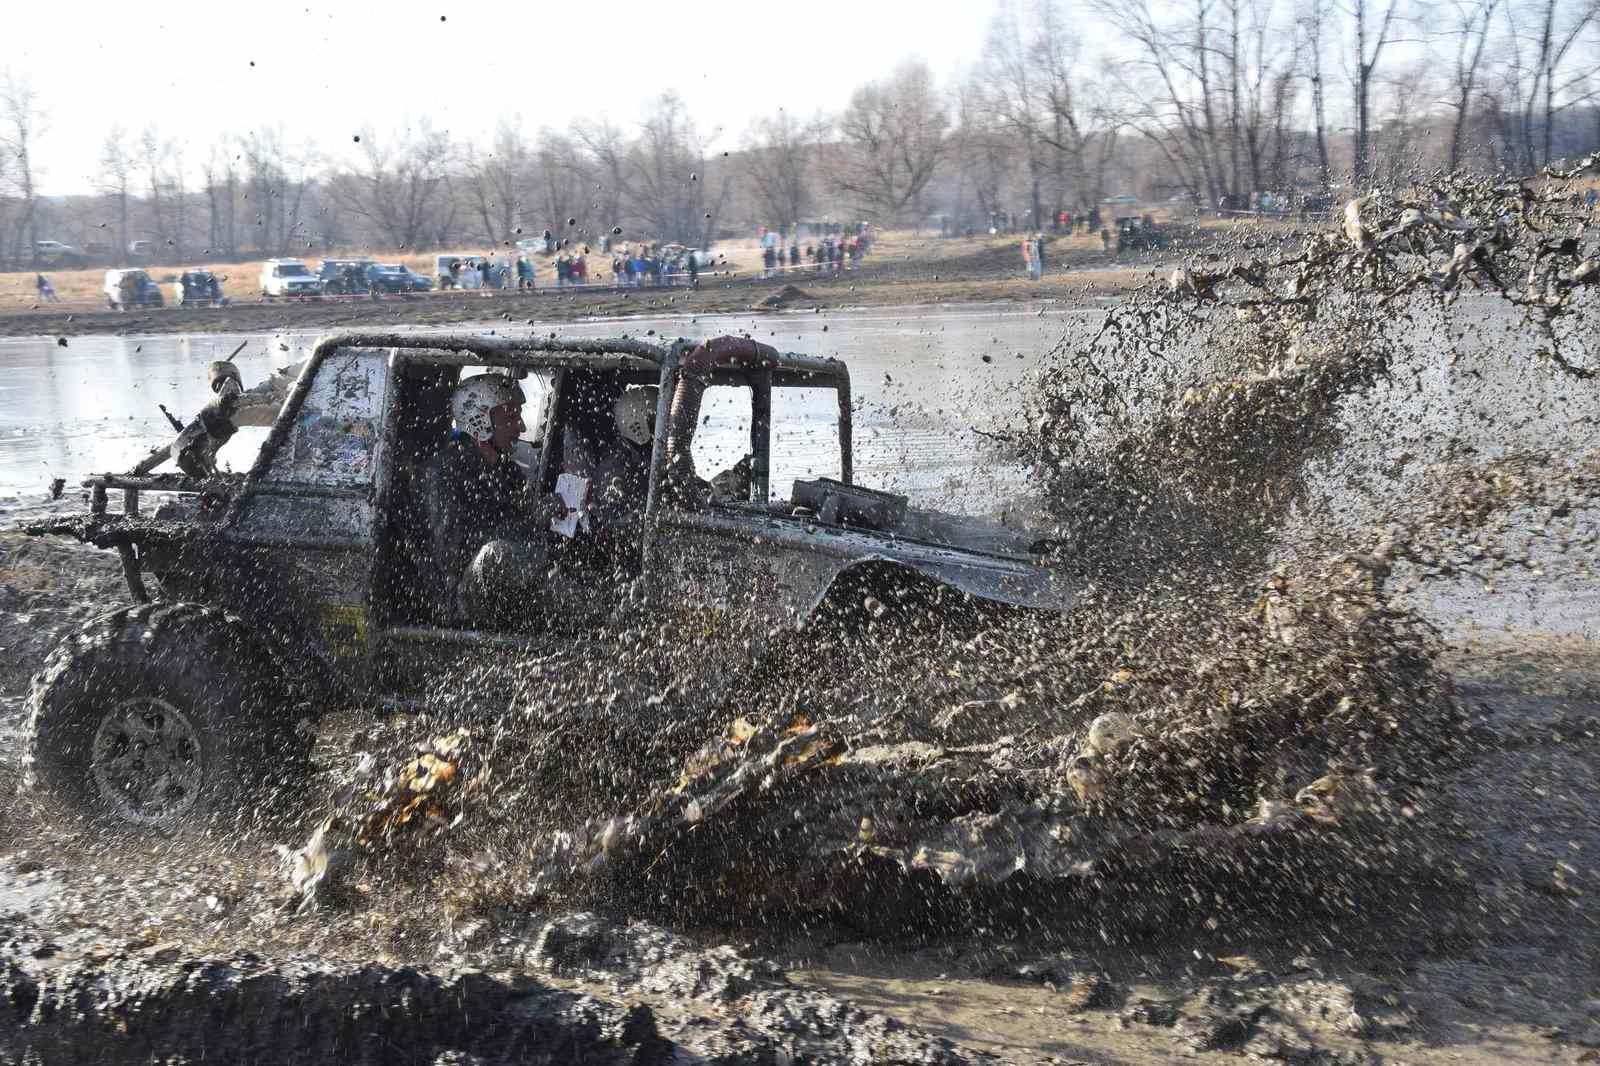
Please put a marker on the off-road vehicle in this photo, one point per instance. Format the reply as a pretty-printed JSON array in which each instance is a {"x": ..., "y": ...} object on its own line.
[
  {"x": 1136, "y": 234},
  {"x": 294, "y": 584}
]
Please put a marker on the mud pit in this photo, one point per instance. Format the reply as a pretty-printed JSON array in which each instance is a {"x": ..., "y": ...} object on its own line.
[{"x": 1321, "y": 831}]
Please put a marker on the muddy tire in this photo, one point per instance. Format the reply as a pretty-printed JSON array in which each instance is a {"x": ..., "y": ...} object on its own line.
[{"x": 160, "y": 717}]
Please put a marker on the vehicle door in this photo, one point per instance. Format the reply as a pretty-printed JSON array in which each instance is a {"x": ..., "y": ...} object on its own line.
[
  {"x": 739, "y": 558},
  {"x": 302, "y": 529}
]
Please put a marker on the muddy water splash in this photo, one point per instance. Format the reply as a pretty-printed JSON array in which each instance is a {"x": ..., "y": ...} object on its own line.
[{"x": 1238, "y": 685}]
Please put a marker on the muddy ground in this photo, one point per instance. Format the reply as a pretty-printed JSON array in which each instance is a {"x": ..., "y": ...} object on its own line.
[
  {"x": 912, "y": 272},
  {"x": 120, "y": 950}
]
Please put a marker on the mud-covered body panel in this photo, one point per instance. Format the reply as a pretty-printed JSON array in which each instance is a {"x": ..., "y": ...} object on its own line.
[{"x": 781, "y": 569}]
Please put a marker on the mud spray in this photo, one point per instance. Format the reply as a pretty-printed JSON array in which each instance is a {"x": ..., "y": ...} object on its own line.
[{"x": 1278, "y": 482}]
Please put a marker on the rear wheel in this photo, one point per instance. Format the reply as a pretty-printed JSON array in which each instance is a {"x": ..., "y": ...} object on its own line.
[{"x": 160, "y": 717}]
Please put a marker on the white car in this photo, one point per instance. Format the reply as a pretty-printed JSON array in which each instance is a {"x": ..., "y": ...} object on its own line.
[
  {"x": 131, "y": 288},
  {"x": 288, "y": 277}
]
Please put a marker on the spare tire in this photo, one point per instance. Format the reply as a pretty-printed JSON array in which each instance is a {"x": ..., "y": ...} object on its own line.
[{"x": 163, "y": 716}]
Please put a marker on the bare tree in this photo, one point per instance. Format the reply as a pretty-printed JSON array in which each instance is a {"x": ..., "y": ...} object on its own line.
[
  {"x": 1169, "y": 91},
  {"x": 1311, "y": 25},
  {"x": 1372, "y": 28},
  {"x": 779, "y": 152},
  {"x": 563, "y": 189},
  {"x": 983, "y": 157},
  {"x": 670, "y": 183},
  {"x": 610, "y": 158},
  {"x": 1013, "y": 88},
  {"x": 1081, "y": 124},
  {"x": 221, "y": 176},
  {"x": 21, "y": 119},
  {"x": 398, "y": 185},
  {"x": 115, "y": 177},
  {"x": 497, "y": 179},
  {"x": 1544, "y": 35},
  {"x": 892, "y": 136},
  {"x": 152, "y": 154},
  {"x": 1469, "y": 26}
]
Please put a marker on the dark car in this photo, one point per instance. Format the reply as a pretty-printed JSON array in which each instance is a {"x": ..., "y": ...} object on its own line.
[
  {"x": 1136, "y": 233},
  {"x": 389, "y": 277},
  {"x": 344, "y": 277}
]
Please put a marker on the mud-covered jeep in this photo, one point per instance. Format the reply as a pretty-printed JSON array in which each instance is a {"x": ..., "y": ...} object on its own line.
[{"x": 293, "y": 585}]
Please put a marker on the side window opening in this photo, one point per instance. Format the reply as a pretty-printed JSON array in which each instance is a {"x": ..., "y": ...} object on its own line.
[
  {"x": 805, "y": 437},
  {"x": 722, "y": 439}
]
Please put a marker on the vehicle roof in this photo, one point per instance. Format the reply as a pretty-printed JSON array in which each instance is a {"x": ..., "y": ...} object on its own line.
[{"x": 605, "y": 353}]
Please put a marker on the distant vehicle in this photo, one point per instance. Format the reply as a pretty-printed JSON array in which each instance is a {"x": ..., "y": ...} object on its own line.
[
  {"x": 56, "y": 254},
  {"x": 1121, "y": 198},
  {"x": 1316, "y": 206},
  {"x": 288, "y": 277},
  {"x": 390, "y": 277},
  {"x": 344, "y": 277},
  {"x": 131, "y": 288},
  {"x": 1233, "y": 201},
  {"x": 141, "y": 251},
  {"x": 198, "y": 288},
  {"x": 460, "y": 260},
  {"x": 1136, "y": 234}
]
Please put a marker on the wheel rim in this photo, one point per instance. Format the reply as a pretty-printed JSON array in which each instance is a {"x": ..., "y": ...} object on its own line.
[{"x": 148, "y": 762}]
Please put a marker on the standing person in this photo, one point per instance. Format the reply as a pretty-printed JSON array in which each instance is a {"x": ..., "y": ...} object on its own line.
[
  {"x": 1027, "y": 255},
  {"x": 580, "y": 270},
  {"x": 1038, "y": 256},
  {"x": 1105, "y": 239},
  {"x": 794, "y": 255},
  {"x": 694, "y": 268},
  {"x": 47, "y": 291}
]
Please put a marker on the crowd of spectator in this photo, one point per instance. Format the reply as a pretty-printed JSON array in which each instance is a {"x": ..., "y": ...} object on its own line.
[
  {"x": 828, "y": 255},
  {"x": 655, "y": 265}
]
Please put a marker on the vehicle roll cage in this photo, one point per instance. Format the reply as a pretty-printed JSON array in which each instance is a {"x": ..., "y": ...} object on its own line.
[{"x": 660, "y": 361}]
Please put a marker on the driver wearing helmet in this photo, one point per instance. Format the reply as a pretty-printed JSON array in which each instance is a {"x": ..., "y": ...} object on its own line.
[{"x": 487, "y": 525}]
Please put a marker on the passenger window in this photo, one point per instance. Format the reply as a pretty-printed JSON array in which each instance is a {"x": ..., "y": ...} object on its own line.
[
  {"x": 723, "y": 436},
  {"x": 805, "y": 437}
]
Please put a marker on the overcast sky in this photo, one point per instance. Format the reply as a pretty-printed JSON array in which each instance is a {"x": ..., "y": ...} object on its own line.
[{"x": 325, "y": 71}]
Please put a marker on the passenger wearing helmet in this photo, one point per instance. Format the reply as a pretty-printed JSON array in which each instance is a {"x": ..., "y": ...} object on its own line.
[
  {"x": 621, "y": 481},
  {"x": 487, "y": 525}
]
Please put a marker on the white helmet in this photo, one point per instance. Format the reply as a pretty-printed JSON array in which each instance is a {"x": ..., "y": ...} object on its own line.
[
  {"x": 475, "y": 397},
  {"x": 635, "y": 412}
]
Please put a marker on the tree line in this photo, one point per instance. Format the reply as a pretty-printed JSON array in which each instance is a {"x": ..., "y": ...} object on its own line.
[{"x": 1199, "y": 101}]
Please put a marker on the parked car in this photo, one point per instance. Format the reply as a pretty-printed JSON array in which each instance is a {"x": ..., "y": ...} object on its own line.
[
  {"x": 141, "y": 251},
  {"x": 389, "y": 277},
  {"x": 1316, "y": 206},
  {"x": 1121, "y": 198},
  {"x": 198, "y": 288},
  {"x": 131, "y": 288},
  {"x": 1137, "y": 234},
  {"x": 288, "y": 277},
  {"x": 1232, "y": 201},
  {"x": 56, "y": 254},
  {"x": 460, "y": 260},
  {"x": 344, "y": 277},
  {"x": 419, "y": 282}
]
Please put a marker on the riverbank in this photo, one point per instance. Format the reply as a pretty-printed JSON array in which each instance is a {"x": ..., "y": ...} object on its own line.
[{"x": 902, "y": 269}]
